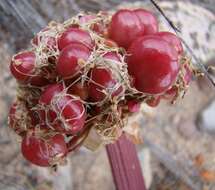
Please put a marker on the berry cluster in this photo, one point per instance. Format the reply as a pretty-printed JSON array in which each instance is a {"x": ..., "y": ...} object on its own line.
[{"x": 92, "y": 71}]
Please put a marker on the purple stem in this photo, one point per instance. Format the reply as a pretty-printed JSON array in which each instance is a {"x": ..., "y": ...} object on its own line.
[{"x": 125, "y": 165}]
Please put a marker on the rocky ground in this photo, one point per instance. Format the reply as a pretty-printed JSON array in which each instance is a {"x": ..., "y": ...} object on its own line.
[{"x": 178, "y": 150}]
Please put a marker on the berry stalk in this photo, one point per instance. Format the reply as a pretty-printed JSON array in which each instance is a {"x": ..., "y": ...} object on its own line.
[{"x": 125, "y": 165}]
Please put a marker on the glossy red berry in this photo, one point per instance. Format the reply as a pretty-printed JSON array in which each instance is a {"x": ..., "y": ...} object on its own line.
[
  {"x": 154, "y": 101},
  {"x": 80, "y": 90},
  {"x": 75, "y": 35},
  {"x": 103, "y": 84},
  {"x": 22, "y": 66},
  {"x": 44, "y": 151},
  {"x": 133, "y": 106},
  {"x": 12, "y": 115},
  {"x": 86, "y": 18},
  {"x": 97, "y": 27},
  {"x": 43, "y": 37},
  {"x": 172, "y": 92},
  {"x": 38, "y": 80},
  {"x": 70, "y": 113},
  {"x": 17, "y": 118},
  {"x": 173, "y": 40},
  {"x": 76, "y": 141},
  {"x": 153, "y": 64},
  {"x": 68, "y": 63},
  {"x": 49, "y": 92},
  {"x": 35, "y": 117},
  {"x": 112, "y": 56},
  {"x": 125, "y": 27},
  {"x": 110, "y": 43},
  {"x": 47, "y": 114},
  {"x": 148, "y": 20},
  {"x": 187, "y": 75}
]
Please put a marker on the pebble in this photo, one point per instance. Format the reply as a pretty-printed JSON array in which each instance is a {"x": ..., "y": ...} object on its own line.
[
  {"x": 206, "y": 121},
  {"x": 187, "y": 128}
]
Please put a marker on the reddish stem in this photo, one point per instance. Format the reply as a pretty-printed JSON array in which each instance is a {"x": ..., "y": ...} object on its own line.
[{"x": 125, "y": 165}]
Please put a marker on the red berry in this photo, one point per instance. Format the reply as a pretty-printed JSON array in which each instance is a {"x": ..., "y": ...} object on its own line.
[
  {"x": 133, "y": 106},
  {"x": 100, "y": 29},
  {"x": 96, "y": 27},
  {"x": 71, "y": 114},
  {"x": 48, "y": 115},
  {"x": 148, "y": 20},
  {"x": 172, "y": 92},
  {"x": 86, "y": 18},
  {"x": 17, "y": 118},
  {"x": 75, "y": 35},
  {"x": 153, "y": 102},
  {"x": 40, "y": 117},
  {"x": 35, "y": 117},
  {"x": 173, "y": 40},
  {"x": 125, "y": 27},
  {"x": 97, "y": 110},
  {"x": 76, "y": 141},
  {"x": 112, "y": 56},
  {"x": 188, "y": 75},
  {"x": 44, "y": 151},
  {"x": 49, "y": 92},
  {"x": 38, "y": 80},
  {"x": 102, "y": 79},
  {"x": 80, "y": 90},
  {"x": 22, "y": 65},
  {"x": 153, "y": 64},
  {"x": 43, "y": 37},
  {"x": 110, "y": 43},
  {"x": 12, "y": 115},
  {"x": 69, "y": 60}
]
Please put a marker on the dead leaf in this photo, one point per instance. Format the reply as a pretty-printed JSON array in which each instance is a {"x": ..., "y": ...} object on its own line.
[
  {"x": 208, "y": 176},
  {"x": 133, "y": 133},
  {"x": 199, "y": 160},
  {"x": 93, "y": 140}
]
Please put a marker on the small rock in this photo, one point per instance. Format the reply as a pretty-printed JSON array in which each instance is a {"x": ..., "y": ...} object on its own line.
[
  {"x": 187, "y": 128},
  {"x": 145, "y": 161},
  {"x": 62, "y": 179},
  {"x": 206, "y": 119}
]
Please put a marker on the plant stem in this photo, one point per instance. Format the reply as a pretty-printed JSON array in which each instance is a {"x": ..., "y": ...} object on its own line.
[{"x": 125, "y": 165}]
